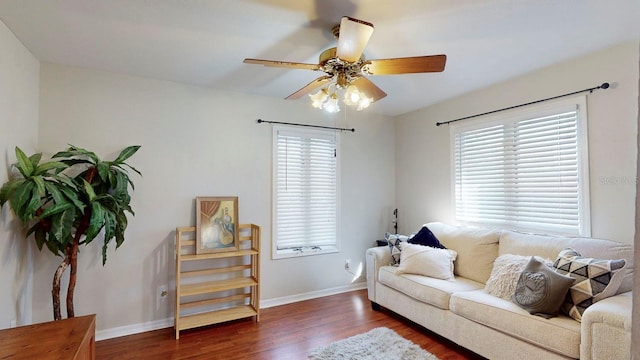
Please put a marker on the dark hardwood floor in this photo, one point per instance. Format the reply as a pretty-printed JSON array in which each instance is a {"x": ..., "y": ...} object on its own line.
[{"x": 284, "y": 332}]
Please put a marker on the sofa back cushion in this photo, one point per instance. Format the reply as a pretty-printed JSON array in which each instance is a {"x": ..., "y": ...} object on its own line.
[
  {"x": 512, "y": 242},
  {"x": 477, "y": 249}
]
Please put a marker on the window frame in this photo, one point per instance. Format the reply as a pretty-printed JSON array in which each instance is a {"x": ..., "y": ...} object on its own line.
[
  {"x": 310, "y": 249},
  {"x": 529, "y": 112}
]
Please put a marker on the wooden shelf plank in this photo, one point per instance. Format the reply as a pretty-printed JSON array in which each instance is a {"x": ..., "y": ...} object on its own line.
[
  {"x": 214, "y": 286},
  {"x": 218, "y": 255},
  {"x": 215, "y": 271},
  {"x": 221, "y": 300},
  {"x": 211, "y": 317}
]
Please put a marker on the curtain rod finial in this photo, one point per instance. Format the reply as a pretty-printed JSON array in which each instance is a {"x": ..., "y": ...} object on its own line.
[{"x": 604, "y": 86}]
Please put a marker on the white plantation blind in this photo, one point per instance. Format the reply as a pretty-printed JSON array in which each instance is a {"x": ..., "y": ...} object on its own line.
[
  {"x": 527, "y": 172},
  {"x": 305, "y": 188}
]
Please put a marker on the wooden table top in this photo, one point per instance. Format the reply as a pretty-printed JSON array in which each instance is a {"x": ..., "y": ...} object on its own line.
[{"x": 51, "y": 340}]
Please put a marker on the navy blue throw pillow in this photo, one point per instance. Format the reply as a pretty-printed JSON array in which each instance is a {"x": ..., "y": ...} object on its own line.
[{"x": 425, "y": 237}]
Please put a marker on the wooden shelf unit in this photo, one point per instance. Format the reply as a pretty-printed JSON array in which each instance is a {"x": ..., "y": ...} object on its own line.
[{"x": 223, "y": 286}]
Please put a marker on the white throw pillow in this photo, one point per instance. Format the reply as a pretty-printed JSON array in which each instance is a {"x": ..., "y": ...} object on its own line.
[{"x": 426, "y": 261}]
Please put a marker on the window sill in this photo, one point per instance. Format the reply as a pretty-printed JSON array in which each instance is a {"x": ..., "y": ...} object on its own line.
[{"x": 304, "y": 251}]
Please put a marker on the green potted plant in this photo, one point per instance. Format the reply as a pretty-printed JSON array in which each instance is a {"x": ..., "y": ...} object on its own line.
[{"x": 67, "y": 201}]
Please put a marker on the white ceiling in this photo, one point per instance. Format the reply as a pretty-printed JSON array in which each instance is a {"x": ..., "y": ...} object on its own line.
[{"x": 203, "y": 42}]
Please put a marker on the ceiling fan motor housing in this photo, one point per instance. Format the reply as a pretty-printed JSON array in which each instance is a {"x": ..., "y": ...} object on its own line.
[{"x": 345, "y": 71}]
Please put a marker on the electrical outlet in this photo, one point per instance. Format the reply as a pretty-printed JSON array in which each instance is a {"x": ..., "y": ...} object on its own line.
[
  {"x": 162, "y": 290},
  {"x": 13, "y": 323},
  {"x": 347, "y": 264}
]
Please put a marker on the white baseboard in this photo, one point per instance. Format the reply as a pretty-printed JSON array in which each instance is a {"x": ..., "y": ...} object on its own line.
[
  {"x": 311, "y": 295},
  {"x": 165, "y": 323},
  {"x": 133, "y": 329}
]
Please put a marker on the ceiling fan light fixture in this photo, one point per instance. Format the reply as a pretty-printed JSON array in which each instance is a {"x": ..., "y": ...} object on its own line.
[
  {"x": 352, "y": 95},
  {"x": 319, "y": 98},
  {"x": 331, "y": 105},
  {"x": 364, "y": 103}
]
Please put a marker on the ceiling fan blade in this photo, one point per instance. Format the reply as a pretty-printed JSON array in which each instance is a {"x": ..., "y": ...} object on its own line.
[
  {"x": 307, "y": 89},
  {"x": 282, "y": 64},
  {"x": 369, "y": 88},
  {"x": 354, "y": 36},
  {"x": 407, "y": 65}
]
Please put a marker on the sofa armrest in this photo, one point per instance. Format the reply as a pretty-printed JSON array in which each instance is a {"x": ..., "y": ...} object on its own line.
[
  {"x": 606, "y": 329},
  {"x": 375, "y": 258}
]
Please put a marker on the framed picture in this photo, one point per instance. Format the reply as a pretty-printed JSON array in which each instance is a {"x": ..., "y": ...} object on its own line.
[{"x": 216, "y": 224}]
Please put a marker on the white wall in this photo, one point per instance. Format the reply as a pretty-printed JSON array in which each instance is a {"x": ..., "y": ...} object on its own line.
[
  {"x": 19, "y": 79},
  {"x": 199, "y": 142},
  {"x": 423, "y": 168}
]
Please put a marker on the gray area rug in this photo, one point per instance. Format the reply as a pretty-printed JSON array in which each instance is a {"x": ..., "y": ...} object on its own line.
[{"x": 378, "y": 344}]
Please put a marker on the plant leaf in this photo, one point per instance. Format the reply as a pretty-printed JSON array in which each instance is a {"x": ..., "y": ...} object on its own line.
[
  {"x": 51, "y": 165},
  {"x": 109, "y": 232},
  {"x": 121, "y": 225},
  {"x": 72, "y": 162},
  {"x": 73, "y": 197},
  {"x": 35, "y": 159},
  {"x": 119, "y": 185},
  {"x": 78, "y": 151},
  {"x": 40, "y": 237},
  {"x": 39, "y": 181},
  {"x": 34, "y": 203},
  {"x": 61, "y": 225},
  {"x": 54, "y": 247},
  {"x": 126, "y": 153},
  {"x": 88, "y": 189},
  {"x": 103, "y": 171},
  {"x": 55, "y": 193},
  {"x": 109, "y": 225},
  {"x": 20, "y": 199},
  {"x": 132, "y": 168},
  {"x": 55, "y": 209},
  {"x": 24, "y": 163},
  {"x": 6, "y": 191},
  {"x": 104, "y": 252},
  {"x": 96, "y": 222}
]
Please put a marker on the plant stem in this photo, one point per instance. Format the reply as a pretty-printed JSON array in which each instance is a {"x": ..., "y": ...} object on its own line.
[
  {"x": 55, "y": 292},
  {"x": 72, "y": 251}
]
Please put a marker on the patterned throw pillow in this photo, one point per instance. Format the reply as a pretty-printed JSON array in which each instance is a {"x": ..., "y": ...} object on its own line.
[
  {"x": 394, "y": 241},
  {"x": 596, "y": 279}
]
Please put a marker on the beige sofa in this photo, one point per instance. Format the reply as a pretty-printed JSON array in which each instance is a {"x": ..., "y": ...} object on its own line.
[{"x": 461, "y": 310}]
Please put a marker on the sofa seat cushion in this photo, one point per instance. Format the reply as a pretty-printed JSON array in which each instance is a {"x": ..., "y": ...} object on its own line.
[
  {"x": 559, "y": 334},
  {"x": 435, "y": 292}
]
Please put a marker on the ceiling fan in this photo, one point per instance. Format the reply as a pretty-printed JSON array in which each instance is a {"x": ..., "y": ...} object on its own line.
[{"x": 346, "y": 68}]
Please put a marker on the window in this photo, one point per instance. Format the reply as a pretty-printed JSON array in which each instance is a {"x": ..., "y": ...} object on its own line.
[
  {"x": 305, "y": 194},
  {"x": 526, "y": 170}
]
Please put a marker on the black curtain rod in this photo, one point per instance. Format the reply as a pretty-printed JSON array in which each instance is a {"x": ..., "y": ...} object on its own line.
[
  {"x": 603, "y": 86},
  {"x": 259, "y": 121}
]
